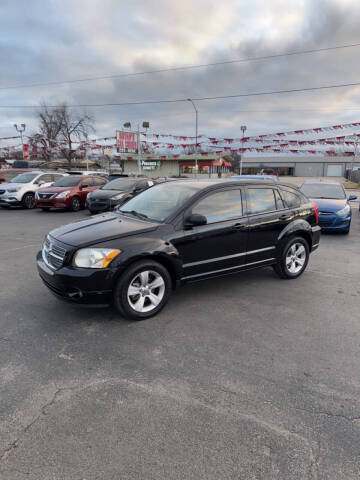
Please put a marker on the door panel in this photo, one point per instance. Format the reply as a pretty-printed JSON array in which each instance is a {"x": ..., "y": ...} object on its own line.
[
  {"x": 267, "y": 218},
  {"x": 219, "y": 245}
]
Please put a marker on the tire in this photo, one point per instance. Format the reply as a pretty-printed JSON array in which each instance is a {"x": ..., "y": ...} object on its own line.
[
  {"x": 346, "y": 232},
  {"x": 142, "y": 302},
  {"x": 28, "y": 201},
  {"x": 75, "y": 204},
  {"x": 296, "y": 249}
]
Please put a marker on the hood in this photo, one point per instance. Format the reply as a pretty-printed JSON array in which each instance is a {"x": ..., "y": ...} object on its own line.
[
  {"x": 104, "y": 194},
  {"x": 329, "y": 205},
  {"x": 5, "y": 186},
  {"x": 101, "y": 228},
  {"x": 54, "y": 189}
]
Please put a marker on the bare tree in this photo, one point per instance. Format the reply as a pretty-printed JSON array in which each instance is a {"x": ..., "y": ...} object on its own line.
[
  {"x": 50, "y": 122},
  {"x": 61, "y": 126},
  {"x": 75, "y": 126}
]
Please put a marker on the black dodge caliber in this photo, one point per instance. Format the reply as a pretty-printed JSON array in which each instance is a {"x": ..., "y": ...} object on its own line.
[{"x": 179, "y": 232}]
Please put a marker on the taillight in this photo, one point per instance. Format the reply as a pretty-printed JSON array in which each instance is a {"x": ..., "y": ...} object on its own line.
[{"x": 316, "y": 211}]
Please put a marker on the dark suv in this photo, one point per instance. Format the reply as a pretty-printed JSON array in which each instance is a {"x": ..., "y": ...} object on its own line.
[{"x": 179, "y": 232}]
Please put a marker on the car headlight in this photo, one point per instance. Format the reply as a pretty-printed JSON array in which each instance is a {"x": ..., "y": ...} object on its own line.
[
  {"x": 63, "y": 194},
  {"x": 95, "y": 257},
  {"x": 344, "y": 211},
  {"x": 13, "y": 190},
  {"x": 117, "y": 197}
]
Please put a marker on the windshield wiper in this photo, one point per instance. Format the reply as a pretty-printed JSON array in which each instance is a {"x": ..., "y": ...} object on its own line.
[{"x": 135, "y": 213}]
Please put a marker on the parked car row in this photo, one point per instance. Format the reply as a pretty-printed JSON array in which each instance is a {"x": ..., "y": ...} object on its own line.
[{"x": 70, "y": 190}]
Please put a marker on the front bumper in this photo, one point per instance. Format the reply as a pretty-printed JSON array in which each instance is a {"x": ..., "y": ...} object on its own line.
[
  {"x": 334, "y": 222},
  {"x": 52, "y": 203},
  {"x": 84, "y": 286},
  {"x": 9, "y": 200},
  {"x": 102, "y": 205}
]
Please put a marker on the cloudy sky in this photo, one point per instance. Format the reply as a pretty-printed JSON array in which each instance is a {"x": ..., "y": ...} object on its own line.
[{"x": 54, "y": 40}]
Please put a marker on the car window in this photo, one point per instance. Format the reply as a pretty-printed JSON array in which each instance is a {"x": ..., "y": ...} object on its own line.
[
  {"x": 9, "y": 175},
  {"x": 279, "y": 202},
  {"x": 45, "y": 178},
  {"x": 260, "y": 200},
  {"x": 292, "y": 200},
  {"x": 98, "y": 181},
  {"x": 90, "y": 182},
  {"x": 220, "y": 206},
  {"x": 56, "y": 177},
  {"x": 24, "y": 178}
]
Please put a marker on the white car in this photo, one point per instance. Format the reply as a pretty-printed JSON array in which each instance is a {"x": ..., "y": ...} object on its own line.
[{"x": 21, "y": 189}]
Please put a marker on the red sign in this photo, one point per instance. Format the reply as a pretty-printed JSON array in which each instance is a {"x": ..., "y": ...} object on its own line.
[
  {"x": 126, "y": 142},
  {"x": 26, "y": 151}
]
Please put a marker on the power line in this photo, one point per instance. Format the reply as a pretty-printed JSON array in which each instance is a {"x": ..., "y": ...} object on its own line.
[
  {"x": 198, "y": 99},
  {"x": 174, "y": 69}
]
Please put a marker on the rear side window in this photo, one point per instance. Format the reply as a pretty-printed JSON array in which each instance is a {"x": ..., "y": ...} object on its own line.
[
  {"x": 260, "y": 200},
  {"x": 292, "y": 200},
  {"x": 221, "y": 206}
]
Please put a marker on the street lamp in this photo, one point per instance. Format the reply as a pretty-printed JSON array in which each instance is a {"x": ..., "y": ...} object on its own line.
[
  {"x": 243, "y": 129},
  {"x": 21, "y": 129},
  {"x": 145, "y": 125},
  {"x": 196, "y": 134}
]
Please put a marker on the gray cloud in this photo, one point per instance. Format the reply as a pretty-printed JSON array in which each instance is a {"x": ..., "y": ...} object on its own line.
[{"x": 64, "y": 40}]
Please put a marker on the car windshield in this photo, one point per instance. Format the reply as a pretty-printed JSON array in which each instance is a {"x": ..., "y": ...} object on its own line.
[
  {"x": 24, "y": 178},
  {"x": 70, "y": 181},
  {"x": 120, "y": 184},
  {"x": 161, "y": 201},
  {"x": 333, "y": 191}
]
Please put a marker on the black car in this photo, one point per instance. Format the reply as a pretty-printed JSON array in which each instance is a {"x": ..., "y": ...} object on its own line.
[
  {"x": 179, "y": 232},
  {"x": 116, "y": 192}
]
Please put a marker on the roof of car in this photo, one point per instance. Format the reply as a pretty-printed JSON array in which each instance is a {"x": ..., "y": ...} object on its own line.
[
  {"x": 320, "y": 182},
  {"x": 203, "y": 183}
]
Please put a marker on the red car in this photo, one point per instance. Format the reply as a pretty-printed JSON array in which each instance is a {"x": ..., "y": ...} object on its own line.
[
  {"x": 70, "y": 192},
  {"x": 7, "y": 174}
]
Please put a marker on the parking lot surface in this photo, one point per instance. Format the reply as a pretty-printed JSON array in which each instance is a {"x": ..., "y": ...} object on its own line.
[{"x": 244, "y": 377}]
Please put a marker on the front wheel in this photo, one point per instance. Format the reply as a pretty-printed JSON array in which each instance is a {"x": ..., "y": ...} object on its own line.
[
  {"x": 28, "y": 200},
  {"x": 142, "y": 290},
  {"x": 75, "y": 204},
  {"x": 294, "y": 258}
]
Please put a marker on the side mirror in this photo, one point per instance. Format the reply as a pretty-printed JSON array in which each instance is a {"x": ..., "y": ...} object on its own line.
[
  {"x": 84, "y": 185},
  {"x": 41, "y": 183},
  {"x": 352, "y": 197},
  {"x": 195, "y": 220}
]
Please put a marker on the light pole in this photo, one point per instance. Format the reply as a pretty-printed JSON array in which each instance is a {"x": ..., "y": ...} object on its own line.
[
  {"x": 243, "y": 129},
  {"x": 138, "y": 143},
  {"x": 21, "y": 129},
  {"x": 196, "y": 134},
  {"x": 356, "y": 143}
]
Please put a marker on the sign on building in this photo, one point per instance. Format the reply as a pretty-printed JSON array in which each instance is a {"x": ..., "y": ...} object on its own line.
[
  {"x": 150, "y": 164},
  {"x": 126, "y": 142}
]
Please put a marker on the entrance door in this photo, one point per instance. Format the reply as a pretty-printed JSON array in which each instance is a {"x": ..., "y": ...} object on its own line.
[{"x": 334, "y": 170}]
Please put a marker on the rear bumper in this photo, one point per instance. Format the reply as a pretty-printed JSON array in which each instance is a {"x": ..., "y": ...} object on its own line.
[
  {"x": 316, "y": 233},
  {"x": 83, "y": 286}
]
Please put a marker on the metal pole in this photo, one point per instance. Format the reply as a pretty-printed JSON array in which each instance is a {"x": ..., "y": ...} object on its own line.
[
  {"x": 196, "y": 135},
  {"x": 243, "y": 129},
  {"x": 139, "y": 149}
]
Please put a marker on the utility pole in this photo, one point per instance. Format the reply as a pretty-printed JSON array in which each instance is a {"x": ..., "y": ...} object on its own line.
[
  {"x": 21, "y": 129},
  {"x": 243, "y": 129},
  {"x": 356, "y": 143},
  {"x": 138, "y": 148},
  {"x": 196, "y": 135}
]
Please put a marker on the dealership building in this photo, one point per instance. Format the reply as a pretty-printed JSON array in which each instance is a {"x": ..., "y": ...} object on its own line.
[{"x": 315, "y": 166}]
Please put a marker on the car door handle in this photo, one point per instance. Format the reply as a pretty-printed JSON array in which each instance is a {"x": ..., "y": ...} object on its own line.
[
  {"x": 239, "y": 226},
  {"x": 285, "y": 216}
]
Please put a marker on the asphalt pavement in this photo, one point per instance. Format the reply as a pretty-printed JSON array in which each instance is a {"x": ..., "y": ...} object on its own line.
[{"x": 244, "y": 377}]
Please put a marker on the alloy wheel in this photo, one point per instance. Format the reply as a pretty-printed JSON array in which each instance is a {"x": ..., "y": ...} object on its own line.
[
  {"x": 146, "y": 291},
  {"x": 295, "y": 258}
]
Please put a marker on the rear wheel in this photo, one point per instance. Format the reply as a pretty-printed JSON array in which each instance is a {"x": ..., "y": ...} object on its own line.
[
  {"x": 75, "y": 204},
  {"x": 28, "y": 200},
  {"x": 142, "y": 290},
  {"x": 294, "y": 258}
]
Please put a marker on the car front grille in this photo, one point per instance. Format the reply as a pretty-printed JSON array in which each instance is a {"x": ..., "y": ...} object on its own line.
[
  {"x": 53, "y": 255},
  {"x": 46, "y": 195}
]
